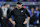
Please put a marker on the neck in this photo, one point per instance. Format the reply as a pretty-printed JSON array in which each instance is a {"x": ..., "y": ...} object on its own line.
[{"x": 18, "y": 8}]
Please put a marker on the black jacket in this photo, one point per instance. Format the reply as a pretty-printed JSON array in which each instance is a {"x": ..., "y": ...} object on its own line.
[{"x": 19, "y": 15}]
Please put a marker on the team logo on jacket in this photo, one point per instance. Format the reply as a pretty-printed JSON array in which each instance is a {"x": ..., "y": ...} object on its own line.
[{"x": 21, "y": 10}]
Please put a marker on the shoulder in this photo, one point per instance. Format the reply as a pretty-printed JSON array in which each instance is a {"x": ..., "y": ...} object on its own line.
[{"x": 24, "y": 9}]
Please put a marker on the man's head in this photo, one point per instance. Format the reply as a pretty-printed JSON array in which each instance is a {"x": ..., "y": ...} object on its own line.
[
  {"x": 37, "y": 8},
  {"x": 8, "y": 5},
  {"x": 19, "y": 5},
  {"x": 32, "y": 9},
  {"x": 12, "y": 7},
  {"x": 5, "y": 5}
]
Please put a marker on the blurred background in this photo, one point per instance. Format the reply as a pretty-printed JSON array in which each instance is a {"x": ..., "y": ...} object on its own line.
[{"x": 31, "y": 6}]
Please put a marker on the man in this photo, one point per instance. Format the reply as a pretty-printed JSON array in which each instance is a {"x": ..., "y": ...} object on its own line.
[
  {"x": 5, "y": 12},
  {"x": 19, "y": 16},
  {"x": 32, "y": 13},
  {"x": 33, "y": 18},
  {"x": 37, "y": 14}
]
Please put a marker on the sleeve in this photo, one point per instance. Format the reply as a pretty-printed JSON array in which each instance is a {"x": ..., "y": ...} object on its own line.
[
  {"x": 27, "y": 13},
  {"x": 11, "y": 13}
]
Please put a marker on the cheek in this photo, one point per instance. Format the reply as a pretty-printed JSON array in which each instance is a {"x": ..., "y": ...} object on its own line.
[
  {"x": 32, "y": 10},
  {"x": 36, "y": 9},
  {"x": 17, "y": 6}
]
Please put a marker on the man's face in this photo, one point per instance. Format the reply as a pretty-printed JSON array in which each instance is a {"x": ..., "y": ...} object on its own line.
[
  {"x": 19, "y": 6},
  {"x": 5, "y": 5},
  {"x": 32, "y": 9},
  {"x": 36, "y": 8},
  {"x": 12, "y": 8},
  {"x": 8, "y": 5}
]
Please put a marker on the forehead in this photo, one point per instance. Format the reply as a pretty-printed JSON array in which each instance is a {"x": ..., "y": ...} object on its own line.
[
  {"x": 19, "y": 4},
  {"x": 32, "y": 8}
]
